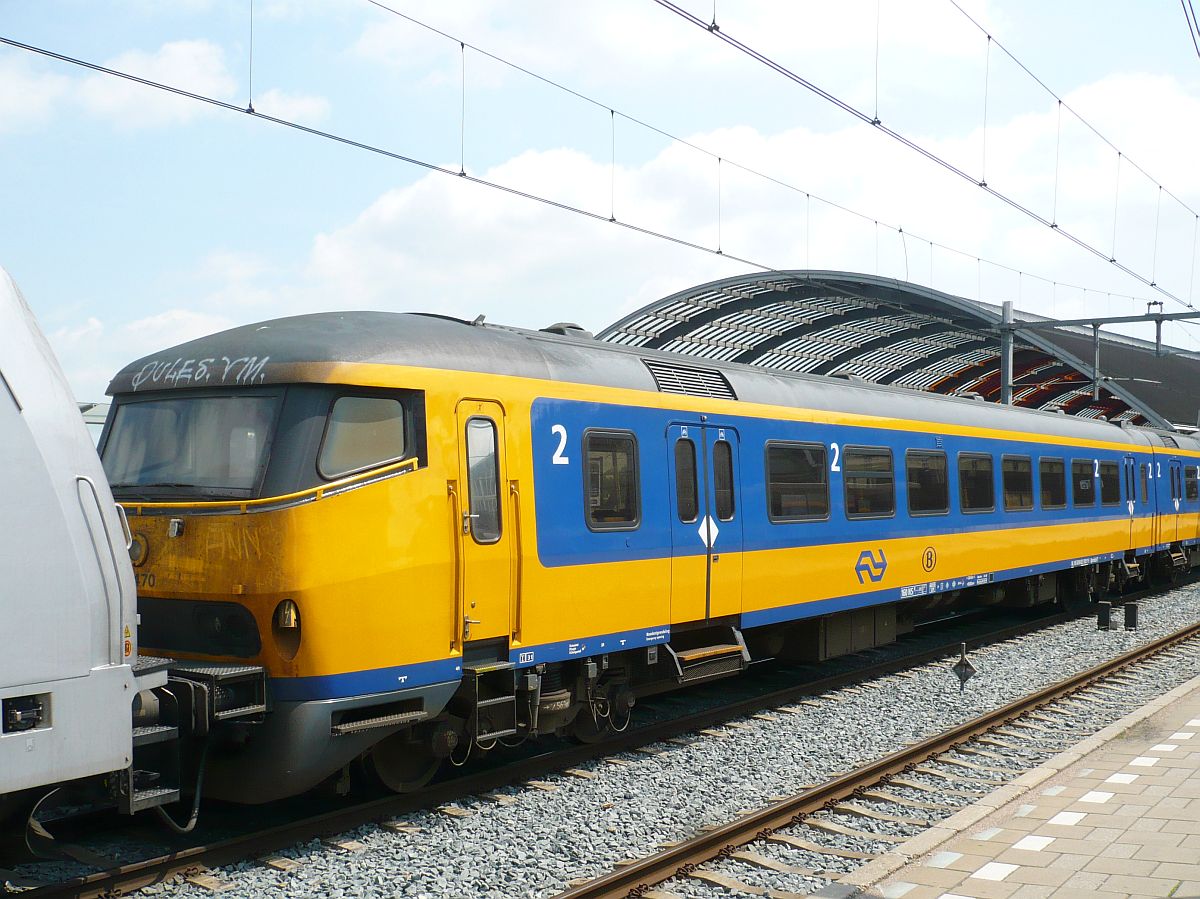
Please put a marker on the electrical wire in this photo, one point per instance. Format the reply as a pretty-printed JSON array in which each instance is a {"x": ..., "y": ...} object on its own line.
[
  {"x": 1189, "y": 13},
  {"x": 929, "y": 154}
]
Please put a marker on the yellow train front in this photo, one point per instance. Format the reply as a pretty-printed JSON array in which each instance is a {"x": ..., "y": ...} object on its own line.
[{"x": 435, "y": 536}]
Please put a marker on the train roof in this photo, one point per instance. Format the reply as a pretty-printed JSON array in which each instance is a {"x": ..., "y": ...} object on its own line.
[{"x": 288, "y": 350}]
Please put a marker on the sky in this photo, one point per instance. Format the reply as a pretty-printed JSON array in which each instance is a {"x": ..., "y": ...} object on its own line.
[{"x": 135, "y": 219}]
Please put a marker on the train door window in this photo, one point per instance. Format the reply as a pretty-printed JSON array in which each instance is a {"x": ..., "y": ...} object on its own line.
[
  {"x": 612, "y": 480},
  {"x": 1053, "y": 475},
  {"x": 483, "y": 480},
  {"x": 1083, "y": 482},
  {"x": 723, "y": 479},
  {"x": 1145, "y": 482},
  {"x": 976, "y": 487},
  {"x": 797, "y": 483},
  {"x": 362, "y": 431},
  {"x": 928, "y": 493},
  {"x": 1017, "y": 474},
  {"x": 870, "y": 484},
  {"x": 1110, "y": 484},
  {"x": 1190, "y": 483},
  {"x": 686, "y": 497}
]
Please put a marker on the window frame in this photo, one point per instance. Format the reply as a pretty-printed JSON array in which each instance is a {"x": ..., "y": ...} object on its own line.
[
  {"x": 802, "y": 444},
  {"x": 1017, "y": 457},
  {"x": 1091, "y": 467},
  {"x": 1191, "y": 486},
  {"x": 847, "y": 449},
  {"x": 1041, "y": 491},
  {"x": 636, "y": 523},
  {"x": 716, "y": 499},
  {"x": 409, "y": 450},
  {"x": 695, "y": 479},
  {"x": 1116, "y": 466},
  {"x": 975, "y": 454},
  {"x": 927, "y": 513},
  {"x": 499, "y": 493}
]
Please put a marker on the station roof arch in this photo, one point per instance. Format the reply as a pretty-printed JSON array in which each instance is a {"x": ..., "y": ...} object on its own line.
[{"x": 890, "y": 332}]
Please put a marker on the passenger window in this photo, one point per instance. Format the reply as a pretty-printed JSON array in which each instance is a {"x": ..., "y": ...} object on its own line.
[
  {"x": 1145, "y": 484},
  {"x": 723, "y": 479},
  {"x": 797, "y": 485},
  {"x": 1110, "y": 484},
  {"x": 483, "y": 480},
  {"x": 363, "y": 431},
  {"x": 612, "y": 481},
  {"x": 1017, "y": 474},
  {"x": 686, "y": 501},
  {"x": 928, "y": 492},
  {"x": 1190, "y": 482},
  {"x": 1083, "y": 482},
  {"x": 870, "y": 487},
  {"x": 976, "y": 490},
  {"x": 1053, "y": 475}
]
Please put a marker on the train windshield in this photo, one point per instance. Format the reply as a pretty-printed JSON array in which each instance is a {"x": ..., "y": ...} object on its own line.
[{"x": 210, "y": 446}]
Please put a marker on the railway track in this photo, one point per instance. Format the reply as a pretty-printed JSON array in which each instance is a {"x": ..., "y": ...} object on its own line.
[
  {"x": 641, "y": 877},
  {"x": 195, "y": 860}
]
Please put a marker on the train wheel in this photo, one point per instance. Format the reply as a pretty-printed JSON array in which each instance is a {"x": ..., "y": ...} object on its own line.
[
  {"x": 587, "y": 728},
  {"x": 403, "y": 765}
]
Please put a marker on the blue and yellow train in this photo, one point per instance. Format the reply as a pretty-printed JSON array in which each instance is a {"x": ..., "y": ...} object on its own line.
[{"x": 434, "y": 535}]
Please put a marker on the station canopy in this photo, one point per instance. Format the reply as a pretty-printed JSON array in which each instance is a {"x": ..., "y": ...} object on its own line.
[{"x": 884, "y": 331}]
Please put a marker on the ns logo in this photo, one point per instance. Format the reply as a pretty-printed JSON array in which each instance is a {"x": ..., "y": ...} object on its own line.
[{"x": 868, "y": 567}]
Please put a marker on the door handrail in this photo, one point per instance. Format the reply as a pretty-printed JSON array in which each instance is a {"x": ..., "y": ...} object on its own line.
[{"x": 456, "y": 539}]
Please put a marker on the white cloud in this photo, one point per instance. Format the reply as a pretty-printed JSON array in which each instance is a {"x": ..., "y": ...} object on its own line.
[
  {"x": 302, "y": 108},
  {"x": 197, "y": 66},
  {"x": 27, "y": 96}
]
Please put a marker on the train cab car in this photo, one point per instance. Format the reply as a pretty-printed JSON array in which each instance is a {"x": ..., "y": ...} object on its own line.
[{"x": 437, "y": 535}]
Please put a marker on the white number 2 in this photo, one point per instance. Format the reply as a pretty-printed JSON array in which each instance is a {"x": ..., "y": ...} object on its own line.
[
  {"x": 558, "y": 458},
  {"x": 835, "y": 465}
]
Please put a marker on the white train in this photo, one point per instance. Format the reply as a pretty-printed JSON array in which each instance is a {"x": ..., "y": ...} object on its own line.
[{"x": 76, "y": 701}]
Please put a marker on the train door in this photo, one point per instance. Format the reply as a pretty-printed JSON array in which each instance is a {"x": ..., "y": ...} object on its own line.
[
  {"x": 485, "y": 537},
  {"x": 706, "y": 525},
  {"x": 1131, "y": 485},
  {"x": 1171, "y": 531}
]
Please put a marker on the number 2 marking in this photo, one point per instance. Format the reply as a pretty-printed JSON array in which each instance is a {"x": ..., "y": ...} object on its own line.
[
  {"x": 558, "y": 458},
  {"x": 835, "y": 465}
]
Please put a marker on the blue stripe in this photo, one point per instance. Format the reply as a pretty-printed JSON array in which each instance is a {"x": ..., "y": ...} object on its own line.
[{"x": 360, "y": 683}]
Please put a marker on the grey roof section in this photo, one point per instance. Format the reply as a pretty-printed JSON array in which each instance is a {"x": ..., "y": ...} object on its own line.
[
  {"x": 895, "y": 333},
  {"x": 283, "y": 350}
]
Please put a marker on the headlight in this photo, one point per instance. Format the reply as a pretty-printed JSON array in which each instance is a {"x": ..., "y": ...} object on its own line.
[{"x": 285, "y": 628}]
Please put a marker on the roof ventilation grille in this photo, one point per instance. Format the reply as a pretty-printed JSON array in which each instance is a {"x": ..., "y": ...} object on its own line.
[
  {"x": 1168, "y": 440},
  {"x": 671, "y": 378}
]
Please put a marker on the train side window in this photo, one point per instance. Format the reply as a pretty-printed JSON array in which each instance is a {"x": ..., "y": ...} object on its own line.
[
  {"x": 723, "y": 479},
  {"x": 976, "y": 487},
  {"x": 686, "y": 497},
  {"x": 612, "y": 480},
  {"x": 483, "y": 480},
  {"x": 1083, "y": 482},
  {"x": 362, "y": 431},
  {"x": 797, "y": 482},
  {"x": 1191, "y": 483},
  {"x": 1053, "y": 475},
  {"x": 928, "y": 493},
  {"x": 1110, "y": 484},
  {"x": 1145, "y": 483},
  {"x": 1017, "y": 474},
  {"x": 870, "y": 483}
]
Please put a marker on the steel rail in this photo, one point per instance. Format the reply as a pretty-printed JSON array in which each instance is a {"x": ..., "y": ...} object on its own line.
[{"x": 636, "y": 878}]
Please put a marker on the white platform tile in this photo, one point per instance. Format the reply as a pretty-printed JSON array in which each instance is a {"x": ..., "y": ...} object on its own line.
[
  {"x": 897, "y": 890},
  {"x": 1121, "y": 778},
  {"x": 1096, "y": 796},
  {"x": 1067, "y": 819},
  {"x": 1195, "y": 722},
  {"x": 1182, "y": 735},
  {"x": 953, "y": 896},
  {"x": 1143, "y": 761},
  {"x": 1024, "y": 811},
  {"x": 1163, "y": 747},
  {"x": 995, "y": 871},
  {"x": 943, "y": 859},
  {"x": 987, "y": 834},
  {"x": 1053, "y": 791},
  {"x": 1032, "y": 843}
]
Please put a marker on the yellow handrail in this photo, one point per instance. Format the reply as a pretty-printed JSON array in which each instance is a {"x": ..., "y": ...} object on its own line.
[{"x": 314, "y": 492}]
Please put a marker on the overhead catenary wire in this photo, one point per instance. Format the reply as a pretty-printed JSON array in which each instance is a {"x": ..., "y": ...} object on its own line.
[
  {"x": 931, "y": 155},
  {"x": 567, "y": 207},
  {"x": 1189, "y": 12}
]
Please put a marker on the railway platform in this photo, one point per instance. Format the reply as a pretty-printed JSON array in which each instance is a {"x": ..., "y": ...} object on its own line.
[{"x": 1118, "y": 814}]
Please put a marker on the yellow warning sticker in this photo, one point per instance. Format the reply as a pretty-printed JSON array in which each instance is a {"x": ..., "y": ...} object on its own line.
[{"x": 127, "y": 634}]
